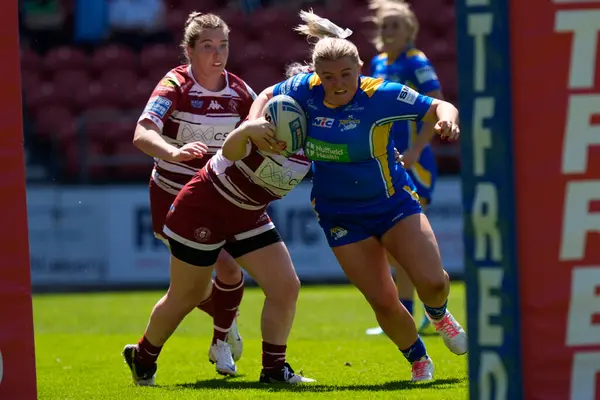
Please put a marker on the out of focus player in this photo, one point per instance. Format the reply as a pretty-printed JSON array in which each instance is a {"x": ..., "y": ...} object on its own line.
[
  {"x": 399, "y": 61},
  {"x": 186, "y": 120},
  {"x": 223, "y": 207}
]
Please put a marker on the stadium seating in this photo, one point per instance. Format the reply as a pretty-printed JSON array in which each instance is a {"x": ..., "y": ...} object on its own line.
[{"x": 65, "y": 84}]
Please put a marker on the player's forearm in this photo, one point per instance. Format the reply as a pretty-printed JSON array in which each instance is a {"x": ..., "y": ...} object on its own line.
[
  {"x": 446, "y": 111},
  {"x": 259, "y": 103},
  {"x": 424, "y": 137},
  {"x": 150, "y": 142},
  {"x": 236, "y": 143}
]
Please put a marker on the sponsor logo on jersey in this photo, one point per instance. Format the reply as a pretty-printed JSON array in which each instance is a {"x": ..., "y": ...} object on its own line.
[
  {"x": 323, "y": 122},
  {"x": 168, "y": 83},
  {"x": 158, "y": 106},
  {"x": 407, "y": 95},
  {"x": 425, "y": 74},
  {"x": 214, "y": 105},
  {"x": 197, "y": 103},
  {"x": 318, "y": 150}
]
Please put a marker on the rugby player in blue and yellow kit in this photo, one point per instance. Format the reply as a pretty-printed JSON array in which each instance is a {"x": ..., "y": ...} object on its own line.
[
  {"x": 365, "y": 201},
  {"x": 399, "y": 61}
]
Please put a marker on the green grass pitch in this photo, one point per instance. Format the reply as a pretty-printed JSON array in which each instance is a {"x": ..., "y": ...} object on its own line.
[{"x": 79, "y": 338}]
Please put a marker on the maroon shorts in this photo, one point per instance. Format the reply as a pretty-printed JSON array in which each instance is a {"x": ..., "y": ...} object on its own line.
[
  {"x": 202, "y": 220},
  {"x": 160, "y": 202}
]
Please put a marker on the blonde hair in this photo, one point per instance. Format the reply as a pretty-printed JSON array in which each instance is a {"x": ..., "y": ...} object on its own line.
[
  {"x": 375, "y": 5},
  {"x": 400, "y": 9},
  {"x": 195, "y": 24},
  {"x": 331, "y": 42}
]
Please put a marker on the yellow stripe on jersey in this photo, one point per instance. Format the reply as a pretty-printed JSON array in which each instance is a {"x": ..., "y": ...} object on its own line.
[
  {"x": 421, "y": 174},
  {"x": 415, "y": 53},
  {"x": 380, "y": 137},
  {"x": 412, "y": 193},
  {"x": 370, "y": 85},
  {"x": 313, "y": 81}
]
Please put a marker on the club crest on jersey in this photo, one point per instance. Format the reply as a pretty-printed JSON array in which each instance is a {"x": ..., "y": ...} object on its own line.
[
  {"x": 202, "y": 234},
  {"x": 233, "y": 106},
  {"x": 337, "y": 232},
  {"x": 323, "y": 122},
  {"x": 349, "y": 123},
  {"x": 197, "y": 103}
]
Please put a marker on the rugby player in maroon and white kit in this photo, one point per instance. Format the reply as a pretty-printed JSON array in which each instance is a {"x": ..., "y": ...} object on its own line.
[
  {"x": 224, "y": 207},
  {"x": 188, "y": 117}
]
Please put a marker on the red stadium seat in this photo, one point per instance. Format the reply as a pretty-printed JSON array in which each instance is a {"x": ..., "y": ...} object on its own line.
[
  {"x": 68, "y": 83},
  {"x": 174, "y": 22},
  {"x": 55, "y": 122},
  {"x": 75, "y": 162},
  {"x": 205, "y": 6},
  {"x": 137, "y": 99},
  {"x": 30, "y": 60},
  {"x": 160, "y": 56},
  {"x": 65, "y": 57},
  {"x": 97, "y": 96},
  {"x": 119, "y": 83},
  {"x": 114, "y": 56},
  {"x": 133, "y": 163},
  {"x": 41, "y": 96},
  {"x": 30, "y": 81},
  {"x": 263, "y": 76}
]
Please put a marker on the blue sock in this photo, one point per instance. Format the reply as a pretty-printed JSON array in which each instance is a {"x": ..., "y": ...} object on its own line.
[
  {"x": 408, "y": 304},
  {"x": 415, "y": 352},
  {"x": 436, "y": 312}
]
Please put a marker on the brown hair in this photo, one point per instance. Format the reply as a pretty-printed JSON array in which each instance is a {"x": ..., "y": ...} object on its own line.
[
  {"x": 400, "y": 9},
  {"x": 331, "y": 45},
  {"x": 195, "y": 24}
]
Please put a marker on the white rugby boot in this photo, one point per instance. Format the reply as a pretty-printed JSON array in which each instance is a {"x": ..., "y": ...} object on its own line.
[
  {"x": 234, "y": 339},
  {"x": 454, "y": 336},
  {"x": 422, "y": 370},
  {"x": 220, "y": 354}
]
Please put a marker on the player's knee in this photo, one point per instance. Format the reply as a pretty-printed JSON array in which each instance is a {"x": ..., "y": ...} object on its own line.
[
  {"x": 184, "y": 299},
  {"x": 435, "y": 283},
  {"x": 227, "y": 269},
  {"x": 383, "y": 302},
  {"x": 285, "y": 291}
]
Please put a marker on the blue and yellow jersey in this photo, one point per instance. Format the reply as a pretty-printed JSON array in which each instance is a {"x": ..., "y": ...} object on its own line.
[
  {"x": 350, "y": 146},
  {"x": 413, "y": 69}
]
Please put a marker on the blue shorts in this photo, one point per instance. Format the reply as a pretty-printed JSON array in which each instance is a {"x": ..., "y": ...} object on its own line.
[
  {"x": 342, "y": 229},
  {"x": 424, "y": 174}
]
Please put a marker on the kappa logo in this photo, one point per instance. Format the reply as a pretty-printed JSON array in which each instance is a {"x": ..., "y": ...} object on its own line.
[{"x": 214, "y": 105}]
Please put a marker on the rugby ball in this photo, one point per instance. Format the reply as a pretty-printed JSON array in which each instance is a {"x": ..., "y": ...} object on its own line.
[{"x": 289, "y": 120}]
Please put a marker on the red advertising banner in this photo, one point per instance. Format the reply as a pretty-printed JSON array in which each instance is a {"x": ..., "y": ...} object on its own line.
[
  {"x": 555, "y": 66},
  {"x": 17, "y": 358}
]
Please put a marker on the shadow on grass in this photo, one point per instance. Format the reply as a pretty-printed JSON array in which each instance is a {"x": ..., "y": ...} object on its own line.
[{"x": 233, "y": 383}]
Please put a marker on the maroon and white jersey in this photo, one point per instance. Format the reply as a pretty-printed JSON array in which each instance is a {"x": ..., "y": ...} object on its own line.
[
  {"x": 186, "y": 112},
  {"x": 259, "y": 178}
]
